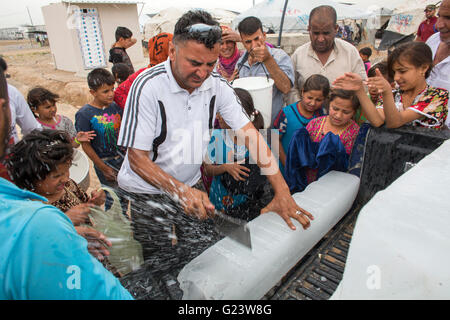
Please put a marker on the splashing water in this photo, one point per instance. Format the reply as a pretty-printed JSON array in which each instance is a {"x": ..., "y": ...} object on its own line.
[{"x": 157, "y": 221}]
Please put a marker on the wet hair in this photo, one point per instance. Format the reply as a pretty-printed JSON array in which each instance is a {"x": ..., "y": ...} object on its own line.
[
  {"x": 3, "y": 64},
  {"x": 324, "y": 10},
  {"x": 98, "y": 77},
  {"x": 121, "y": 71},
  {"x": 192, "y": 17},
  {"x": 38, "y": 154},
  {"x": 415, "y": 52},
  {"x": 317, "y": 82},
  {"x": 123, "y": 32},
  {"x": 250, "y": 25},
  {"x": 247, "y": 104},
  {"x": 39, "y": 95},
  {"x": 346, "y": 95},
  {"x": 366, "y": 51}
]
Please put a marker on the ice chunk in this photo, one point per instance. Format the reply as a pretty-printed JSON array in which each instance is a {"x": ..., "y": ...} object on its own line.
[{"x": 230, "y": 271}]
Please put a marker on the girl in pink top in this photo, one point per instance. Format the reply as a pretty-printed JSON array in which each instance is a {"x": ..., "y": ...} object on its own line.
[
  {"x": 339, "y": 121},
  {"x": 342, "y": 107},
  {"x": 43, "y": 104}
]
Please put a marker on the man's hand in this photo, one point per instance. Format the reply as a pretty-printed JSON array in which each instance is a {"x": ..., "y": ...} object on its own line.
[
  {"x": 286, "y": 207},
  {"x": 97, "y": 242},
  {"x": 79, "y": 213},
  {"x": 196, "y": 203},
  {"x": 259, "y": 53}
]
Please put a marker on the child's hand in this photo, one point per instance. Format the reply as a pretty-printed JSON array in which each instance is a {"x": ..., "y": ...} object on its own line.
[
  {"x": 379, "y": 83},
  {"x": 110, "y": 174},
  {"x": 237, "y": 171},
  {"x": 98, "y": 197},
  {"x": 85, "y": 136},
  {"x": 349, "y": 81}
]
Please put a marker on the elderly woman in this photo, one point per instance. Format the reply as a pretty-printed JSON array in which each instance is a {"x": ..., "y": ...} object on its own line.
[{"x": 229, "y": 53}]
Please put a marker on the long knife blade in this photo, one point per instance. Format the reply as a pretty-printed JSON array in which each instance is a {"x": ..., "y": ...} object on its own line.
[{"x": 234, "y": 228}]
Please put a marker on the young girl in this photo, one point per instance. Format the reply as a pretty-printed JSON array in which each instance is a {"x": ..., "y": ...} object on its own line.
[
  {"x": 43, "y": 104},
  {"x": 299, "y": 114},
  {"x": 238, "y": 188},
  {"x": 40, "y": 163},
  {"x": 325, "y": 144},
  {"x": 414, "y": 101}
]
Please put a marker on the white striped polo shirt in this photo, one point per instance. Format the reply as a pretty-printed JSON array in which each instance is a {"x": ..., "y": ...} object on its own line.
[{"x": 163, "y": 118}]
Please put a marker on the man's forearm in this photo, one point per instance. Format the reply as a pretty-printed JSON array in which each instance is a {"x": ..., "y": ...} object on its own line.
[
  {"x": 152, "y": 173},
  {"x": 265, "y": 159},
  {"x": 281, "y": 80}
]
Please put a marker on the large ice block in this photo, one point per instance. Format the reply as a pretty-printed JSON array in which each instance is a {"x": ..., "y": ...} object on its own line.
[
  {"x": 229, "y": 270},
  {"x": 401, "y": 240}
]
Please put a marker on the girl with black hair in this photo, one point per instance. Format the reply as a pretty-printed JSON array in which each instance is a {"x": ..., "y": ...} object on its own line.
[{"x": 413, "y": 102}]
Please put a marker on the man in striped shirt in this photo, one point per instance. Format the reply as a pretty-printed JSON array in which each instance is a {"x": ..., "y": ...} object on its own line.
[{"x": 166, "y": 128}]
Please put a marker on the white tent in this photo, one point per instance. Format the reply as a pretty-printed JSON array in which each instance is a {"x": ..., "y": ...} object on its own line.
[
  {"x": 297, "y": 13},
  {"x": 166, "y": 19},
  {"x": 407, "y": 17}
]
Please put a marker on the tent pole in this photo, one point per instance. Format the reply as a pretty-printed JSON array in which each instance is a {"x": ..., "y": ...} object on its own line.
[{"x": 281, "y": 23}]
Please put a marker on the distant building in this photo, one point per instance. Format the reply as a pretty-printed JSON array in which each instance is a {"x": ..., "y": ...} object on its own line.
[
  {"x": 11, "y": 34},
  {"x": 82, "y": 32}
]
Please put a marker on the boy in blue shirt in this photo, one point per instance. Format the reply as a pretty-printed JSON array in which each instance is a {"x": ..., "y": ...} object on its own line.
[{"x": 103, "y": 116}]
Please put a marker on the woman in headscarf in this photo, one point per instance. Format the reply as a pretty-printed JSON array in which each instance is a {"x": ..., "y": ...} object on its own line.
[
  {"x": 229, "y": 54},
  {"x": 158, "y": 51}
]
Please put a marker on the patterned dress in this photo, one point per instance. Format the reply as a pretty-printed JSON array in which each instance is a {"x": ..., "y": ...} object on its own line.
[
  {"x": 347, "y": 135},
  {"x": 432, "y": 103}
]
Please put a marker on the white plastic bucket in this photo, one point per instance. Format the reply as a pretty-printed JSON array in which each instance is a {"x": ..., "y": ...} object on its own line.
[
  {"x": 260, "y": 88},
  {"x": 79, "y": 171}
]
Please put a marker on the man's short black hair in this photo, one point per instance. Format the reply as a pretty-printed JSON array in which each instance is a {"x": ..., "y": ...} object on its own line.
[
  {"x": 324, "y": 10},
  {"x": 98, "y": 77},
  {"x": 250, "y": 25},
  {"x": 192, "y": 17},
  {"x": 3, "y": 64},
  {"x": 121, "y": 71},
  {"x": 123, "y": 32}
]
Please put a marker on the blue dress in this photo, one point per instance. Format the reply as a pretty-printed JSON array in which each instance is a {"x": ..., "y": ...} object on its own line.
[{"x": 326, "y": 155}]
